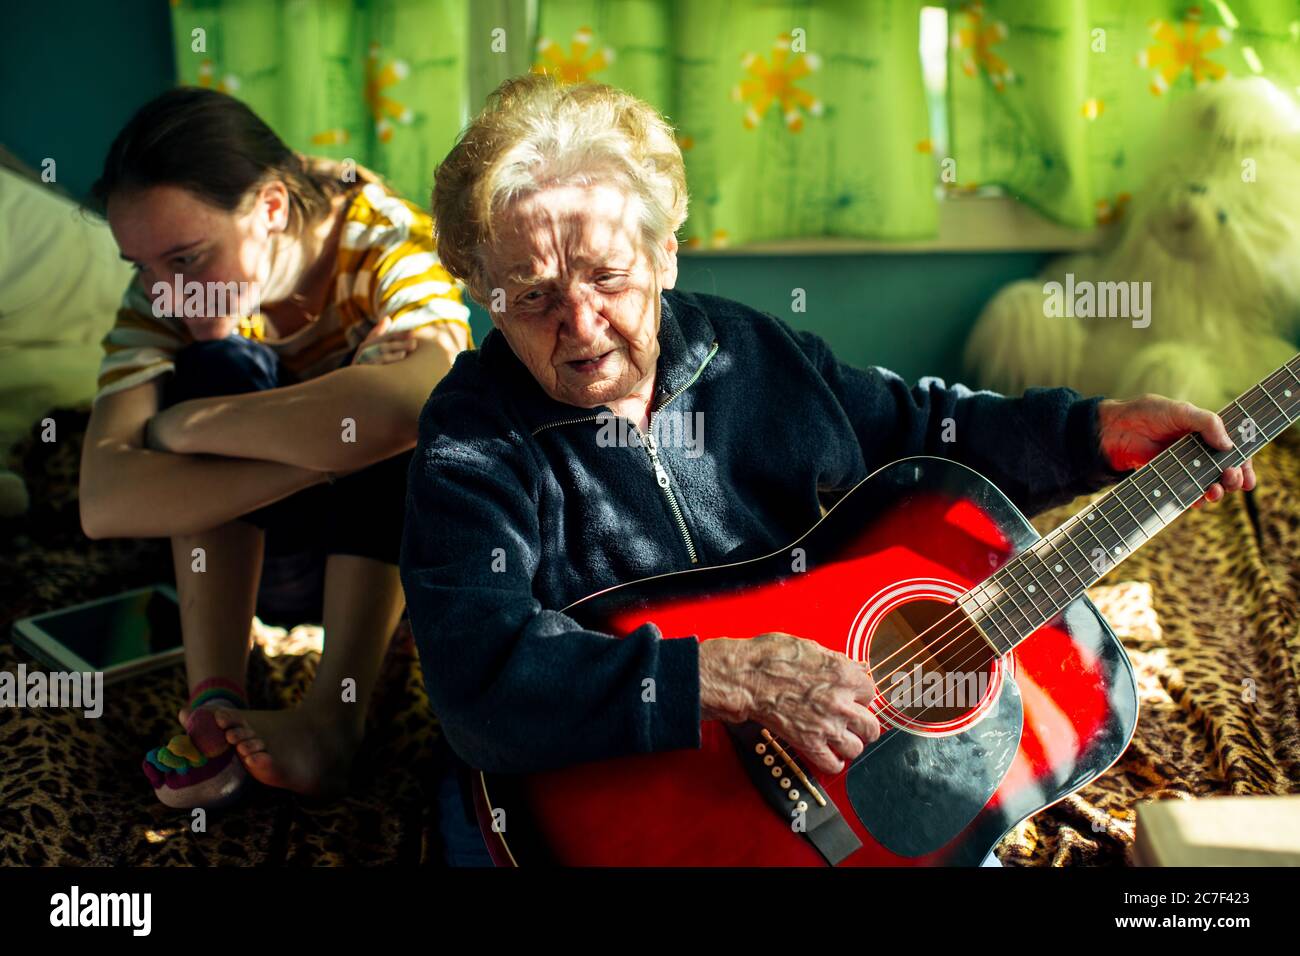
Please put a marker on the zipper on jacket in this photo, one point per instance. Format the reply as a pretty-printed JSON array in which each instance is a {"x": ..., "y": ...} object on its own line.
[
  {"x": 662, "y": 478},
  {"x": 565, "y": 421},
  {"x": 661, "y": 473}
]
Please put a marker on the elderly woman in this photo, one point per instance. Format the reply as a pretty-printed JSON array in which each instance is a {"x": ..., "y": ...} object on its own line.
[{"x": 558, "y": 209}]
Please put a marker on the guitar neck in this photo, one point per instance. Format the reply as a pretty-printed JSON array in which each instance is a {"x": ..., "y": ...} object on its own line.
[{"x": 1042, "y": 580}]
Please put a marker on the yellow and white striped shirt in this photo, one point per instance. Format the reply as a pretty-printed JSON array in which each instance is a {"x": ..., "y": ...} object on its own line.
[{"x": 387, "y": 266}]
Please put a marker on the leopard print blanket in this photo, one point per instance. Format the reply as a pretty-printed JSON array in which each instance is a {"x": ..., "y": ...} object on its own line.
[
  {"x": 71, "y": 789},
  {"x": 1208, "y": 612}
]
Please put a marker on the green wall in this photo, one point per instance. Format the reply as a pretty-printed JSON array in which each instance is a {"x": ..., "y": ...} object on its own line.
[
  {"x": 73, "y": 71},
  {"x": 906, "y": 312}
]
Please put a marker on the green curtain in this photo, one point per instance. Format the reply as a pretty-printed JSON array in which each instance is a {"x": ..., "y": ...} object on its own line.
[
  {"x": 796, "y": 118},
  {"x": 1060, "y": 103},
  {"x": 382, "y": 82}
]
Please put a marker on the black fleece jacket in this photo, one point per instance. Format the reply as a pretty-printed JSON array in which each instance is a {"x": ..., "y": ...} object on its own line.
[{"x": 518, "y": 505}]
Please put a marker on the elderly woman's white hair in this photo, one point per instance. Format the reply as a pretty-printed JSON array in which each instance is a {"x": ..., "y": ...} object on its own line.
[{"x": 537, "y": 132}]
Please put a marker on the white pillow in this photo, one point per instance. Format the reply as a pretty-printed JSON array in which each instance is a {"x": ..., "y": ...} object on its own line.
[
  {"x": 61, "y": 280},
  {"x": 61, "y": 277}
]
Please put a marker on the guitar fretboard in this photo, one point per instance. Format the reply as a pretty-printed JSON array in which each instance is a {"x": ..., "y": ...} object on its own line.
[{"x": 1042, "y": 580}]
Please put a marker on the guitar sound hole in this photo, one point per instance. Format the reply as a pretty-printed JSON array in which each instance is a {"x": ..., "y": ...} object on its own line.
[{"x": 929, "y": 663}]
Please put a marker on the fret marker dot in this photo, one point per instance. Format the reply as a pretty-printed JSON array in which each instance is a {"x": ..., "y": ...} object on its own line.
[
  {"x": 1287, "y": 393},
  {"x": 1058, "y": 569},
  {"x": 1196, "y": 463},
  {"x": 1090, "y": 517},
  {"x": 1117, "y": 549},
  {"x": 1156, "y": 493},
  {"x": 1031, "y": 589}
]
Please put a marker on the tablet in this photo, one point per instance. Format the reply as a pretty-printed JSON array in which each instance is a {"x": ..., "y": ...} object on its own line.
[{"x": 122, "y": 636}]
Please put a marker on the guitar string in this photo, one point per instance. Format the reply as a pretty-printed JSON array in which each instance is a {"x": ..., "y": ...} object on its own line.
[
  {"x": 920, "y": 638},
  {"x": 1258, "y": 402},
  {"x": 968, "y": 628},
  {"x": 1011, "y": 564},
  {"x": 849, "y": 764},
  {"x": 1020, "y": 581}
]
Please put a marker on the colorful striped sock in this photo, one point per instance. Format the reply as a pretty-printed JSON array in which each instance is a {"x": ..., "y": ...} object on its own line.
[{"x": 199, "y": 768}]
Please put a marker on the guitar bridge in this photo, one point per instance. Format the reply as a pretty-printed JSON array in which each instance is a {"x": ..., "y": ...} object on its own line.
[{"x": 792, "y": 792}]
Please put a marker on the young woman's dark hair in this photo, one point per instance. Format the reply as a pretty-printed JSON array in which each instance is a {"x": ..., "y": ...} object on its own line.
[{"x": 215, "y": 147}]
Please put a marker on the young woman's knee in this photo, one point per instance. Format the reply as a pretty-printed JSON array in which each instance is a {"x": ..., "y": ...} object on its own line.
[{"x": 229, "y": 366}]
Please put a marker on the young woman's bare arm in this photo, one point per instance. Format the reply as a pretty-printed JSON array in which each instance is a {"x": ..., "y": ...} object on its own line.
[
  {"x": 343, "y": 420},
  {"x": 129, "y": 491}
]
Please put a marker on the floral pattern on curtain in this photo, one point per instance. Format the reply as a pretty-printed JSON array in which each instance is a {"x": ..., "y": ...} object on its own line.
[
  {"x": 1061, "y": 103},
  {"x": 796, "y": 118},
  {"x": 381, "y": 82}
]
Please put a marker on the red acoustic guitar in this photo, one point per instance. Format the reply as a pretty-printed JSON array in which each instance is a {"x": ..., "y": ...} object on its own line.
[{"x": 1000, "y": 687}]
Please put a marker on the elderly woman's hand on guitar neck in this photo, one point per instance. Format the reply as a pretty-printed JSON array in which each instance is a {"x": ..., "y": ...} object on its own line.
[{"x": 1133, "y": 432}]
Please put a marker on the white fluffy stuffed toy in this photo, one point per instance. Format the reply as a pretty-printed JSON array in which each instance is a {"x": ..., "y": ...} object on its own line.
[{"x": 1204, "y": 274}]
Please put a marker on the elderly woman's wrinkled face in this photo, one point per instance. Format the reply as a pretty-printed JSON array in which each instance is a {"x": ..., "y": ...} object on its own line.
[{"x": 581, "y": 296}]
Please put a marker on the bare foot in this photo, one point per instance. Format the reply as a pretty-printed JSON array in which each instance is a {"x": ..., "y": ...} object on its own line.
[{"x": 298, "y": 750}]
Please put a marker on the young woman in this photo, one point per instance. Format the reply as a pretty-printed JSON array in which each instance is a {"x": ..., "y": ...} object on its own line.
[{"x": 265, "y": 374}]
